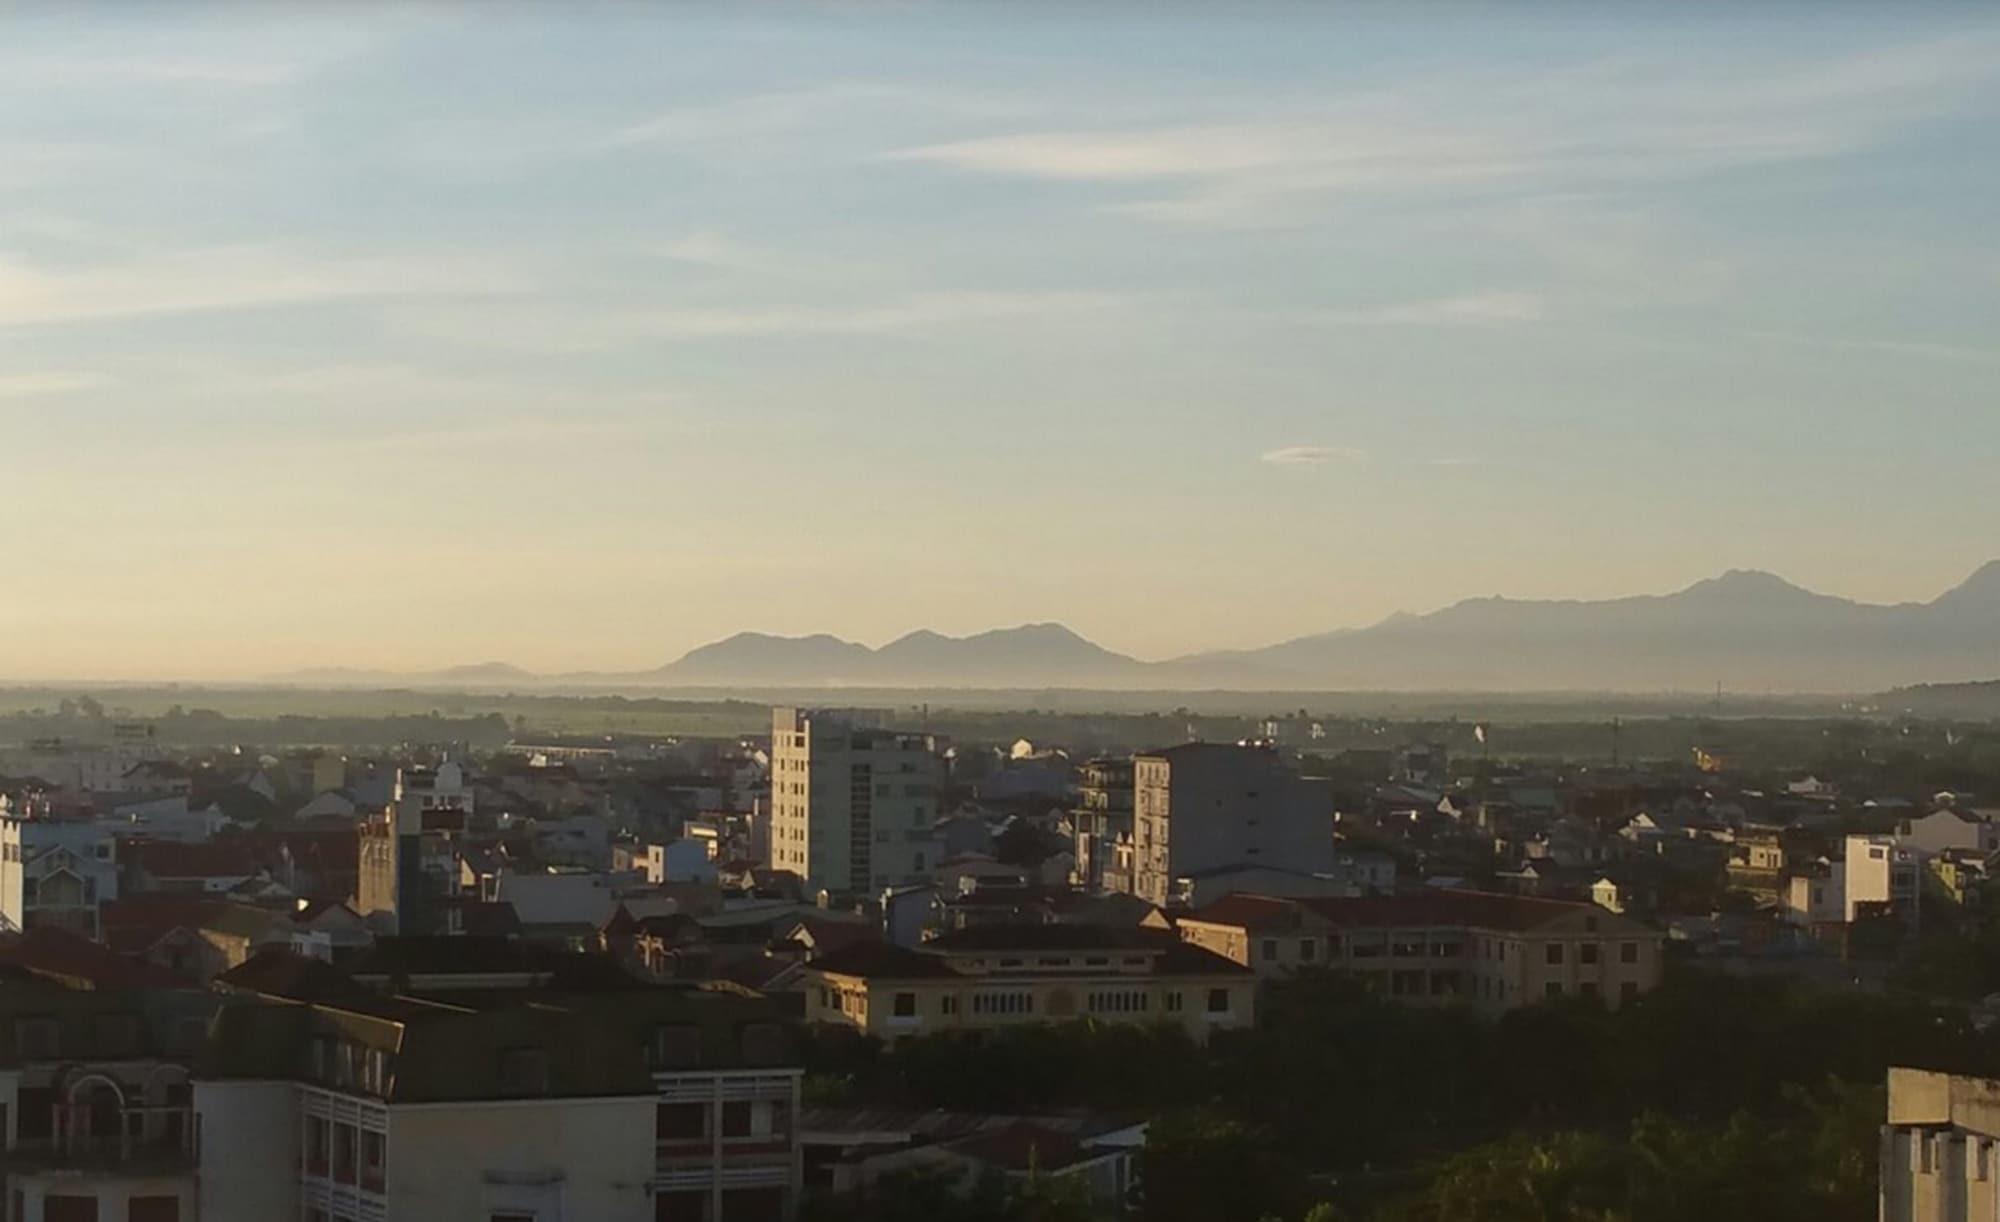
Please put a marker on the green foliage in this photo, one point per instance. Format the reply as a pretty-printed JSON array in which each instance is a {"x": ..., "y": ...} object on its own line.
[
  {"x": 1201, "y": 1167},
  {"x": 933, "y": 1194},
  {"x": 1338, "y": 1095},
  {"x": 1811, "y": 1161}
]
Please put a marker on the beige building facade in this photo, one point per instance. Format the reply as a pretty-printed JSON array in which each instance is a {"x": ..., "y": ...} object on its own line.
[
  {"x": 1492, "y": 952},
  {"x": 990, "y": 977}
]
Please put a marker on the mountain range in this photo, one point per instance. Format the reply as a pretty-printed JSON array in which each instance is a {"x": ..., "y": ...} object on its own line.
[{"x": 1747, "y": 631}]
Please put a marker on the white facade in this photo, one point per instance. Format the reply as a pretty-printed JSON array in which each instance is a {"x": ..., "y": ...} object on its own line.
[
  {"x": 851, "y": 809},
  {"x": 682, "y": 861},
  {"x": 1816, "y": 899},
  {"x": 1881, "y": 870}
]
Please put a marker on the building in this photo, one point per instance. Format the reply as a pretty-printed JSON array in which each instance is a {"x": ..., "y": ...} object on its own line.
[
  {"x": 1939, "y": 1147},
  {"x": 407, "y": 856},
  {"x": 994, "y": 976},
  {"x": 1203, "y": 805},
  {"x": 645, "y": 1104},
  {"x": 1883, "y": 877},
  {"x": 55, "y": 871},
  {"x": 851, "y": 807},
  {"x": 94, "y": 1084},
  {"x": 1816, "y": 894},
  {"x": 1103, "y": 821},
  {"x": 1440, "y": 947},
  {"x": 1950, "y": 829},
  {"x": 847, "y": 1150}
]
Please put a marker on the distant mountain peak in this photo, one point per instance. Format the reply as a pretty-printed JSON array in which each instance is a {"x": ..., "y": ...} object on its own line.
[
  {"x": 1982, "y": 589},
  {"x": 1749, "y": 586}
]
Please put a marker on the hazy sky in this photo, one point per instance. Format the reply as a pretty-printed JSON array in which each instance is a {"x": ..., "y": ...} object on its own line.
[{"x": 416, "y": 337}]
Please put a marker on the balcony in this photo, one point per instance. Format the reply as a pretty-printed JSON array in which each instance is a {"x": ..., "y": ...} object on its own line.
[{"x": 98, "y": 1137}]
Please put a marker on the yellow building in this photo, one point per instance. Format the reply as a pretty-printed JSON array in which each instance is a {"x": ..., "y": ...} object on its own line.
[
  {"x": 1494, "y": 952},
  {"x": 996, "y": 976}
]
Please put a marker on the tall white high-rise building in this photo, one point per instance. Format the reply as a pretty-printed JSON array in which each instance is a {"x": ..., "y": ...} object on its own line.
[{"x": 851, "y": 807}]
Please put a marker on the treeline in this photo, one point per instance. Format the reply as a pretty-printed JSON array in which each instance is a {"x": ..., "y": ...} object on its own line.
[{"x": 1341, "y": 1097}]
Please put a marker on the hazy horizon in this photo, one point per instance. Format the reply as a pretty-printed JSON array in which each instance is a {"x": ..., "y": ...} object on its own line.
[{"x": 461, "y": 335}]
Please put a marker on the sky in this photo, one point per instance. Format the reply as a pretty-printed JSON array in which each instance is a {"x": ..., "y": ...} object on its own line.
[{"x": 579, "y": 336}]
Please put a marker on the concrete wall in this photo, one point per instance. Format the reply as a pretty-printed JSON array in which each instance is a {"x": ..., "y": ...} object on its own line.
[
  {"x": 249, "y": 1168},
  {"x": 590, "y": 1159}
]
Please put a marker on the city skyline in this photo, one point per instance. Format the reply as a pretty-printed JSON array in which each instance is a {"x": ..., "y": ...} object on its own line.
[{"x": 578, "y": 345}]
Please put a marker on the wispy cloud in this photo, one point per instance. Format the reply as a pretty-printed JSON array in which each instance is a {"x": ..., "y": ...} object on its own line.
[
  {"x": 579, "y": 329},
  {"x": 1478, "y": 309},
  {"x": 1310, "y": 456},
  {"x": 27, "y": 385},
  {"x": 1597, "y": 124},
  {"x": 223, "y": 278}
]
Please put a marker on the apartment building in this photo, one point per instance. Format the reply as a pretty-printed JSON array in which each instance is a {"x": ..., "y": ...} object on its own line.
[
  {"x": 640, "y": 1103},
  {"x": 55, "y": 871},
  {"x": 1103, "y": 822},
  {"x": 852, "y": 807},
  {"x": 1940, "y": 1146},
  {"x": 992, "y": 976},
  {"x": 95, "y": 1103},
  {"x": 1201, "y": 806},
  {"x": 407, "y": 853},
  {"x": 1441, "y": 947}
]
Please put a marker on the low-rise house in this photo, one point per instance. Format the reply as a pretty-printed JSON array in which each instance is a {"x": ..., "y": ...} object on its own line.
[
  {"x": 848, "y": 1149},
  {"x": 997, "y": 976}
]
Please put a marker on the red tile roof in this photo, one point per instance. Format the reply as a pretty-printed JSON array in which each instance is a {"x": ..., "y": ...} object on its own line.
[
  {"x": 1480, "y": 909},
  {"x": 80, "y": 963}
]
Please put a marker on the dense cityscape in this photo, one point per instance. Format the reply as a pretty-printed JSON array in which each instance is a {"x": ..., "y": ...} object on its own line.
[{"x": 846, "y": 966}]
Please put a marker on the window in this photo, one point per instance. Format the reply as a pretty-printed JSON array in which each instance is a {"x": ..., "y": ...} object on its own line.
[
  {"x": 524, "y": 1071},
  {"x": 316, "y": 1145},
  {"x": 1554, "y": 988},
  {"x": 1589, "y": 988},
  {"x": 680, "y": 1121},
  {"x": 736, "y": 1118},
  {"x": 1307, "y": 950},
  {"x": 37, "y": 1039},
  {"x": 1587, "y": 953},
  {"x": 1173, "y": 1003},
  {"x": 69, "y": 1209},
  {"x": 345, "y": 1149},
  {"x": 1628, "y": 990},
  {"x": 678, "y": 1045},
  {"x": 37, "y": 1112},
  {"x": 374, "y": 1150},
  {"x": 948, "y": 1005},
  {"x": 1270, "y": 948},
  {"x": 1218, "y": 1001},
  {"x": 765, "y": 1044},
  {"x": 1555, "y": 952},
  {"x": 1628, "y": 952},
  {"x": 906, "y": 1005}
]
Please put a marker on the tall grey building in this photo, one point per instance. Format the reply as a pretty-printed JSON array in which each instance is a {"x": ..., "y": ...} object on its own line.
[{"x": 1201, "y": 806}]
